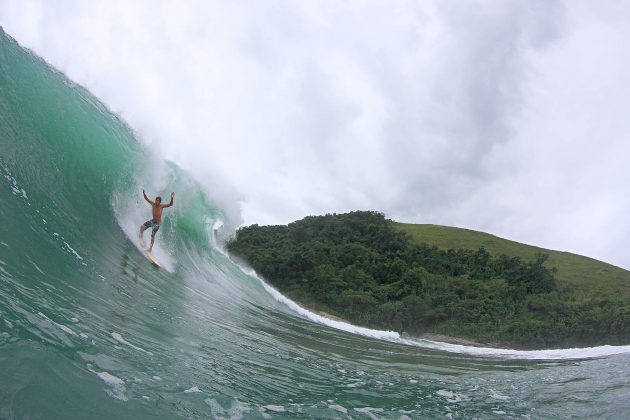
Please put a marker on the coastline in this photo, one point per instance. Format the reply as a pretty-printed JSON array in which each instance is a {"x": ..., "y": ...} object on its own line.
[
  {"x": 511, "y": 300},
  {"x": 440, "y": 338}
]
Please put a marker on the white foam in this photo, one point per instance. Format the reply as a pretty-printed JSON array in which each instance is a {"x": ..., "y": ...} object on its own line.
[
  {"x": 15, "y": 189},
  {"x": 218, "y": 224},
  {"x": 37, "y": 268},
  {"x": 68, "y": 248},
  {"x": 215, "y": 408},
  {"x": 121, "y": 340},
  {"x": 368, "y": 411},
  {"x": 554, "y": 354},
  {"x": 60, "y": 326},
  {"x": 66, "y": 329},
  {"x": 498, "y": 396},
  {"x": 110, "y": 379},
  {"x": 192, "y": 390},
  {"x": 452, "y": 397},
  {"x": 274, "y": 408},
  {"x": 339, "y": 408},
  {"x": 76, "y": 254},
  {"x": 117, "y": 384}
]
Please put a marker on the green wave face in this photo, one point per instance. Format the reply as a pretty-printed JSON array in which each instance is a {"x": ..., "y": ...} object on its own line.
[{"x": 90, "y": 329}]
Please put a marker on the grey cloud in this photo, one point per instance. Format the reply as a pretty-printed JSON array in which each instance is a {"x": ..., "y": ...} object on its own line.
[
  {"x": 450, "y": 132},
  {"x": 480, "y": 114}
]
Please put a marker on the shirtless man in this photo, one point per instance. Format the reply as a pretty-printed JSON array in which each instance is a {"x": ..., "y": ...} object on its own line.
[{"x": 155, "y": 223}]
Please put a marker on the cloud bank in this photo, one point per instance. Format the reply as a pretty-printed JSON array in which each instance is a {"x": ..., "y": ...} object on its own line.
[{"x": 507, "y": 117}]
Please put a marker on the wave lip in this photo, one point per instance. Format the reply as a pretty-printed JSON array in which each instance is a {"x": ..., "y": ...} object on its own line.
[
  {"x": 320, "y": 319},
  {"x": 578, "y": 353}
]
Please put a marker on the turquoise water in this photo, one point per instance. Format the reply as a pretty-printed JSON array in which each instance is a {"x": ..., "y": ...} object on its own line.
[{"x": 90, "y": 329}]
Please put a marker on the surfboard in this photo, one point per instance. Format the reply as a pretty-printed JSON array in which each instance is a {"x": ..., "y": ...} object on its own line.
[
  {"x": 151, "y": 258},
  {"x": 147, "y": 254}
]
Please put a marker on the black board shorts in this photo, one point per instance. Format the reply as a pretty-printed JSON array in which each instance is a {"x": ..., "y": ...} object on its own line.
[{"x": 152, "y": 223}]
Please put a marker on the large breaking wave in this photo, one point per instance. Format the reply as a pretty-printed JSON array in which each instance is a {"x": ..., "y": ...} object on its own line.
[{"x": 84, "y": 316}]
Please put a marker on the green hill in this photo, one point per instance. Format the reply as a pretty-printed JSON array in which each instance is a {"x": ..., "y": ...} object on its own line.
[
  {"x": 423, "y": 279},
  {"x": 583, "y": 275}
]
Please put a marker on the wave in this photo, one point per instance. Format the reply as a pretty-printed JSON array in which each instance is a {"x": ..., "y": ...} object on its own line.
[
  {"x": 100, "y": 170},
  {"x": 82, "y": 309},
  {"x": 394, "y": 337}
]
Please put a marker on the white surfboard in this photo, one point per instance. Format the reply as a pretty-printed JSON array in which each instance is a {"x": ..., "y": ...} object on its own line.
[
  {"x": 147, "y": 254},
  {"x": 152, "y": 258}
]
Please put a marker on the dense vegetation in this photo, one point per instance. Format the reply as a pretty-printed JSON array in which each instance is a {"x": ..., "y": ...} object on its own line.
[
  {"x": 360, "y": 267},
  {"x": 584, "y": 276}
]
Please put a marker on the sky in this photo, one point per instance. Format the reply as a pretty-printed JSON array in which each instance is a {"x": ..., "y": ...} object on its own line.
[{"x": 509, "y": 117}]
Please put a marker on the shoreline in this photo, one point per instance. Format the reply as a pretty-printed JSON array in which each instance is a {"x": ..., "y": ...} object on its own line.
[
  {"x": 440, "y": 338},
  {"x": 342, "y": 264},
  {"x": 446, "y": 339}
]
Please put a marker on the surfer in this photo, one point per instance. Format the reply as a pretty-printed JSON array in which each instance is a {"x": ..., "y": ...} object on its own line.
[{"x": 155, "y": 223}]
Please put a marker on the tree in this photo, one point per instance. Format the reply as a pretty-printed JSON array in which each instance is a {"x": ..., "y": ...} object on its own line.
[{"x": 415, "y": 280}]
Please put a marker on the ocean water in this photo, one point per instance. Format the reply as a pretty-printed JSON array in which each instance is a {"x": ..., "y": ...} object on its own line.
[{"x": 90, "y": 329}]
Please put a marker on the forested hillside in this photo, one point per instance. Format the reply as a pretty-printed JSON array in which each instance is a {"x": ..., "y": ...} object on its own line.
[{"x": 366, "y": 269}]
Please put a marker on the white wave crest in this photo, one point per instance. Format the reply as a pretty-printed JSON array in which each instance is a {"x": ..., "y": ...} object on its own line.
[{"x": 490, "y": 352}]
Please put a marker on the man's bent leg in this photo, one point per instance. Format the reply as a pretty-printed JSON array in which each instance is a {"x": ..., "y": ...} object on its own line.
[
  {"x": 152, "y": 240},
  {"x": 154, "y": 231},
  {"x": 144, "y": 227}
]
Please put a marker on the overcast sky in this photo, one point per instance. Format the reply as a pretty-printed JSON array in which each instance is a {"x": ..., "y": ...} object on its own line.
[{"x": 509, "y": 117}]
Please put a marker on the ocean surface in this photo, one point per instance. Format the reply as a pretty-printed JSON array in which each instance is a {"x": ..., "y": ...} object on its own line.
[{"x": 89, "y": 329}]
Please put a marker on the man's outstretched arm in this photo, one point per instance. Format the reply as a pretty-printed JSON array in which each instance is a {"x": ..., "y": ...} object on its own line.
[
  {"x": 172, "y": 198},
  {"x": 147, "y": 198}
]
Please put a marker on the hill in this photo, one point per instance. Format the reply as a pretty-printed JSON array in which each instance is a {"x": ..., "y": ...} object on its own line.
[
  {"x": 583, "y": 275},
  {"x": 421, "y": 279}
]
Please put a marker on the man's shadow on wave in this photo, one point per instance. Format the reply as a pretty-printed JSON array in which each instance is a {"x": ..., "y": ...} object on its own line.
[
  {"x": 126, "y": 263},
  {"x": 128, "y": 269}
]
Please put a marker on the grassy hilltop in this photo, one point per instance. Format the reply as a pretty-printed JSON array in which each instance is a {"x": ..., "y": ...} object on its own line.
[
  {"x": 421, "y": 279},
  {"x": 583, "y": 275}
]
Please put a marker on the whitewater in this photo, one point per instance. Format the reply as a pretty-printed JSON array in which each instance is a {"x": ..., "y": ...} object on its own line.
[{"x": 90, "y": 329}]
